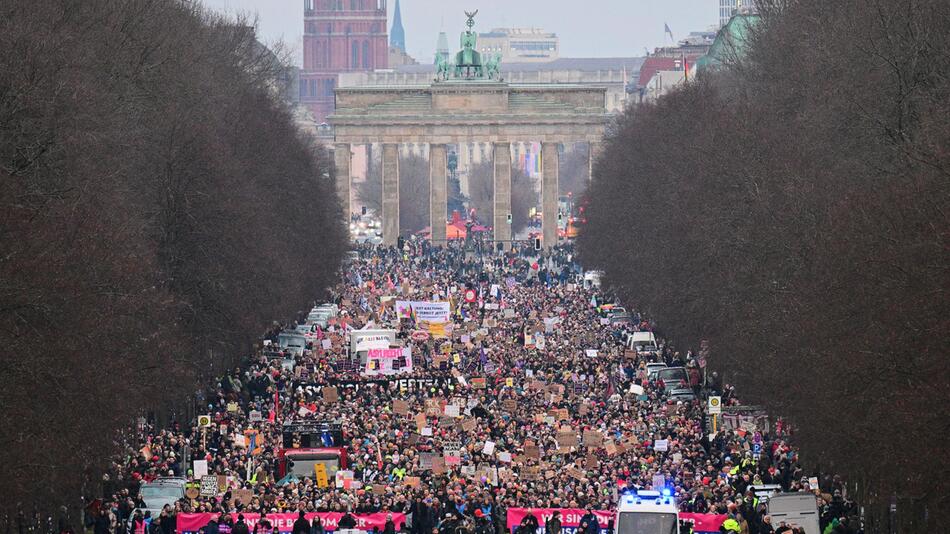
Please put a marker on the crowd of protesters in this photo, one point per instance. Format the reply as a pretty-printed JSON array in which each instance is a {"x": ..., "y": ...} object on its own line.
[{"x": 569, "y": 408}]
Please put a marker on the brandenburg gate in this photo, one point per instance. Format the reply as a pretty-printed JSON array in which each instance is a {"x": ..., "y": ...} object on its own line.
[{"x": 467, "y": 102}]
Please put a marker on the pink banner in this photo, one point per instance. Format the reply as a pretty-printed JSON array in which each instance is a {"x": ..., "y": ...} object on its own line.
[
  {"x": 285, "y": 522},
  {"x": 571, "y": 518},
  {"x": 703, "y": 522}
]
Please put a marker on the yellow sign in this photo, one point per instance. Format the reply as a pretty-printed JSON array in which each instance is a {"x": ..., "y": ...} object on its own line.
[
  {"x": 320, "y": 470},
  {"x": 510, "y": 382}
]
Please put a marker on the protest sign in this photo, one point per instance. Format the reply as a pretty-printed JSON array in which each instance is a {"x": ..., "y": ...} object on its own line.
[
  {"x": 431, "y": 312},
  {"x": 400, "y": 407},
  {"x": 209, "y": 486}
]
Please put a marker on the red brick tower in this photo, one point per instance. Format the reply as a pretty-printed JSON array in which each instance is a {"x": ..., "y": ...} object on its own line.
[{"x": 339, "y": 36}]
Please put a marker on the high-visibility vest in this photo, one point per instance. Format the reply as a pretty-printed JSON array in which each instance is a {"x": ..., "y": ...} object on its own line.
[{"x": 731, "y": 525}]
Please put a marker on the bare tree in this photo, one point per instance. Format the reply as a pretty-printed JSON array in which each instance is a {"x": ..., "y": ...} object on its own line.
[
  {"x": 159, "y": 209},
  {"x": 792, "y": 209}
]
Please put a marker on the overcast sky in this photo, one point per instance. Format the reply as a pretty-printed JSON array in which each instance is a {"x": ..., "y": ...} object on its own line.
[{"x": 587, "y": 28}]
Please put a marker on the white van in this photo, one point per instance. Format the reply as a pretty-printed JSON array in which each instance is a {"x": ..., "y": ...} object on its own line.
[
  {"x": 799, "y": 509},
  {"x": 592, "y": 279},
  {"x": 642, "y": 342},
  {"x": 363, "y": 340},
  {"x": 292, "y": 341}
]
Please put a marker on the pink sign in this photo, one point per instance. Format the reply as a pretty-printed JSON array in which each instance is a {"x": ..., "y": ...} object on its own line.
[
  {"x": 385, "y": 353},
  {"x": 571, "y": 519},
  {"x": 285, "y": 522}
]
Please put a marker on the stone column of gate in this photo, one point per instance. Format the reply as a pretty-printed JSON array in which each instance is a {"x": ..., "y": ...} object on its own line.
[
  {"x": 501, "y": 162},
  {"x": 549, "y": 194},
  {"x": 341, "y": 160},
  {"x": 438, "y": 165},
  {"x": 390, "y": 193},
  {"x": 594, "y": 151}
]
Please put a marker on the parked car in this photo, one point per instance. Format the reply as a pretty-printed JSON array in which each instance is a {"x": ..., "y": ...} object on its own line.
[
  {"x": 620, "y": 318},
  {"x": 161, "y": 491},
  {"x": 653, "y": 369},
  {"x": 681, "y": 394},
  {"x": 672, "y": 378}
]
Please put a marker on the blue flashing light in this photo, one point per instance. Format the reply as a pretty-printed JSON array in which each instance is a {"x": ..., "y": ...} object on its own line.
[{"x": 667, "y": 492}]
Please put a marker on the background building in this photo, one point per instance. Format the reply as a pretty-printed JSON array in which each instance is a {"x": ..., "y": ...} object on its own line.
[
  {"x": 523, "y": 45},
  {"x": 397, "y": 36},
  {"x": 728, "y": 8},
  {"x": 339, "y": 36}
]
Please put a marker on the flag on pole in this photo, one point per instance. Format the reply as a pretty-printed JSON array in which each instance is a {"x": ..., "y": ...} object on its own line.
[
  {"x": 685, "y": 69},
  {"x": 668, "y": 31}
]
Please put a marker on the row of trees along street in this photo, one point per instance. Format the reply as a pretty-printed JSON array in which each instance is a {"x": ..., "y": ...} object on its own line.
[
  {"x": 159, "y": 209},
  {"x": 792, "y": 209}
]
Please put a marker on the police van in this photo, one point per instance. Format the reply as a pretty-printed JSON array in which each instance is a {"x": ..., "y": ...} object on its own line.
[{"x": 647, "y": 512}]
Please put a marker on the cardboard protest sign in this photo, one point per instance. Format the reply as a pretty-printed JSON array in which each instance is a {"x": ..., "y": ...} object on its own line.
[
  {"x": 432, "y": 407},
  {"x": 592, "y": 462},
  {"x": 446, "y": 422},
  {"x": 532, "y": 472},
  {"x": 330, "y": 394},
  {"x": 567, "y": 439},
  {"x": 438, "y": 465},
  {"x": 412, "y": 482},
  {"x": 509, "y": 405},
  {"x": 379, "y": 489},
  {"x": 469, "y": 425},
  {"x": 532, "y": 451},
  {"x": 242, "y": 495},
  {"x": 420, "y": 422},
  {"x": 576, "y": 473},
  {"x": 563, "y": 415},
  {"x": 593, "y": 438},
  {"x": 611, "y": 447},
  {"x": 400, "y": 407}
]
